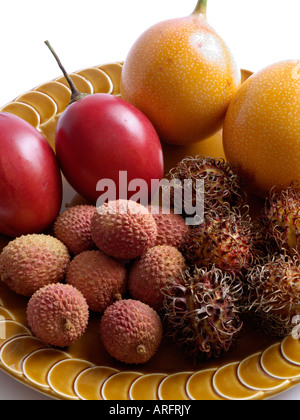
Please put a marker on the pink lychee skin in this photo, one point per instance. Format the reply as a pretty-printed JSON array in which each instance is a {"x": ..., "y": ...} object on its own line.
[
  {"x": 131, "y": 331},
  {"x": 153, "y": 271},
  {"x": 30, "y": 262},
  {"x": 73, "y": 228},
  {"x": 101, "y": 279},
  {"x": 123, "y": 229},
  {"x": 58, "y": 314},
  {"x": 171, "y": 228}
]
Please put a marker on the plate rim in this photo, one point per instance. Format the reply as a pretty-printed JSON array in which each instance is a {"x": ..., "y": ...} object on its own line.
[{"x": 289, "y": 382}]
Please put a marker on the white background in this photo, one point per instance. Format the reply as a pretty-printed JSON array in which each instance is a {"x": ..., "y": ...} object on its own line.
[{"x": 93, "y": 32}]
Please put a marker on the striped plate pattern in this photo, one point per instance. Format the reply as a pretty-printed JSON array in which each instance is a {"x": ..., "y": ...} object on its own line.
[
  {"x": 61, "y": 375},
  {"x": 72, "y": 374}
]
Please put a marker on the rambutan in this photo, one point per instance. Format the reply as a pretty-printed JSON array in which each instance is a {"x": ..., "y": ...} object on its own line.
[
  {"x": 222, "y": 187},
  {"x": 230, "y": 243},
  {"x": 201, "y": 312},
  {"x": 273, "y": 293},
  {"x": 281, "y": 219}
]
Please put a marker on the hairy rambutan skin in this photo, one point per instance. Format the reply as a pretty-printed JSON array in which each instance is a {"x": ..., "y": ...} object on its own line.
[
  {"x": 222, "y": 187},
  {"x": 201, "y": 312},
  {"x": 281, "y": 219},
  {"x": 230, "y": 243},
  {"x": 273, "y": 293}
]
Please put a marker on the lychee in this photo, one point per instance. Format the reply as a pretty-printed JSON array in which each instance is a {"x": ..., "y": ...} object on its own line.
[
  {"x": 171, "y": 227},
  {"x": 123, "y": 229},
  {"x": 151, "y": 272},
  {"x": 58, "y": 314},
  {"x": 131, "y": 331},
  {"x": 73, "y": 228},
  {"x": 30, "y": 262},
  {"x": 101, "y": 279}
]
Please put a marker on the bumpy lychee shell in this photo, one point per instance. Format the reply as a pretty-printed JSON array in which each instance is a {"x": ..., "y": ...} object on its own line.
[
  {"x": 201, "y": 312},
  {"x": 222, "y": 187},
  {"x": 131, "y": 331},
  {"x": 30, "y": 262},
  {"x": 156, "y": 268},
  {"x": 273, "y": 293},
  {"x": 123, "y": 229},
  {"x": 281, "y": 219},
  {"x": 171, "y": 227},
  {"x": 229, "y": 243},
  {"x": 73, "y": 228},
  {"x": 58, "y": 314},
  {"x": 101, "y": 279}
]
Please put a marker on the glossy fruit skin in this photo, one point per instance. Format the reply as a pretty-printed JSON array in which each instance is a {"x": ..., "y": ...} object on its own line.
[
  {"x": 100, "y": 135},
  {"x": 261, "y": 134},
  {"x": 30, "y": 179},
  {"x": 181, "y": 74}
]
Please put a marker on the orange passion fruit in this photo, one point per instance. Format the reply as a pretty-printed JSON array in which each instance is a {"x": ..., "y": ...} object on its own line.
[
  {"x": 181, "y": 74},
  {"x": 261, "y": 135}
]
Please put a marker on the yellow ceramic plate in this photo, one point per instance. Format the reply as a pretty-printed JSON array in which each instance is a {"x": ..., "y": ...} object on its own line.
[{"x": 257, "y": 368}]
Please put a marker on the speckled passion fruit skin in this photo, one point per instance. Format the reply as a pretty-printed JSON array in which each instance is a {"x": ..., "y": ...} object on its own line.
[
  {"x": 131, "y": 331},
  {"x": 58, "y": 314},
  {"x": 262, "y": 128},
  {"x": 182, "y": 75}
]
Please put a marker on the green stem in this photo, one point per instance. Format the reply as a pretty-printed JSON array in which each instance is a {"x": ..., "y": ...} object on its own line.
[
  {"x": 201, "y": 8},
  {"x": 76, "y": 94}
]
